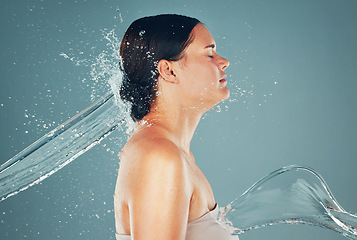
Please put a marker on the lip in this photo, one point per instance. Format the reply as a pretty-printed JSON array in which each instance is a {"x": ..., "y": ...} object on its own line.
[{"x": 223, "y": 81}]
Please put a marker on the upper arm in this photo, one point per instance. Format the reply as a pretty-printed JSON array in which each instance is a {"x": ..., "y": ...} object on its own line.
[{"x": 160, "y": 194}]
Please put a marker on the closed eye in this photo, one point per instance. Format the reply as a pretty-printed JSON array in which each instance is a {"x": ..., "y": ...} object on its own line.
[{"x": 211, "y": 47}]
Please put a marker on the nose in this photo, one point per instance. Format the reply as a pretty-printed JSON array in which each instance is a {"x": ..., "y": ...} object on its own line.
[{"x": 224, "y": 63}]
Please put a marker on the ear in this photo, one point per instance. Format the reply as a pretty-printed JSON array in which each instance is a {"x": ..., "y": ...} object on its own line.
[{"x": 166, "y": 71}]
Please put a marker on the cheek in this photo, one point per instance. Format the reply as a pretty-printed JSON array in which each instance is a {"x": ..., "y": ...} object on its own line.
[
  {"x": 203, "y": 72},
  {"x": 199, "y": 76}
]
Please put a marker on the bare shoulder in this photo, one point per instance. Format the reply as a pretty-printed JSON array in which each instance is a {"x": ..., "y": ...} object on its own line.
[
  {"x": 152, "y": 158},
  {"x": 154, "y": 189},
  {"x": 151, "y": 145},
  {"x": 151, "y": 149}
]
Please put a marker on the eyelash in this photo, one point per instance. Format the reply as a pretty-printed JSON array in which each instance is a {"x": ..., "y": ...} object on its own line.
[{"x": 210, "y": 56}]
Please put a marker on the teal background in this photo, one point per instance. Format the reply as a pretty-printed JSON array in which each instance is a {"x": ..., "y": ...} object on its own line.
[{"x": 292, "y": 78}]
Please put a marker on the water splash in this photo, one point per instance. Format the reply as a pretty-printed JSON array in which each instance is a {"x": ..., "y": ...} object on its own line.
[
  {"x": 69, "y": 140},
  {"x": 294, "y": 195},
  {"x": 60, "y": 146}
]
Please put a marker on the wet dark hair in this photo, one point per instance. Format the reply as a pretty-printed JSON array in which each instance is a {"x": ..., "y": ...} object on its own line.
[{"x": 145, "y": 43}]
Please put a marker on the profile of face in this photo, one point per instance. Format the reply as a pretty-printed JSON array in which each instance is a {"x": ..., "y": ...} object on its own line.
[
  {"x": 170, "y": 58},
  {"x": 199, "y": 75}
]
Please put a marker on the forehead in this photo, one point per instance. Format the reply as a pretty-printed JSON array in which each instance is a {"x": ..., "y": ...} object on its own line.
[{"x": 202, "y": 37}]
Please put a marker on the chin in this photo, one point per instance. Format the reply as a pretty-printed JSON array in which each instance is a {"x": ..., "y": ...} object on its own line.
[
  {"x": 226, "y": 94},
  {"x": 223, "y": 97}
]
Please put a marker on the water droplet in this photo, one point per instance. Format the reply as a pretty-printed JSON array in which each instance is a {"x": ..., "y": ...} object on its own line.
[{"x": 141, "y": 33}]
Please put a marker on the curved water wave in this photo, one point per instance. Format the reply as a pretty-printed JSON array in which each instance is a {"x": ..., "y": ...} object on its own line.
[{"x": 294, "y": 195}]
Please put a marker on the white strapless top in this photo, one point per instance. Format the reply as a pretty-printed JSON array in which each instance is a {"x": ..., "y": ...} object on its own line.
[{"x": 206, "y": 227}]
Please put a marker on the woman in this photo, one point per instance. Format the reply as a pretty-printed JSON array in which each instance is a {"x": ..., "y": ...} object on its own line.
[{"x": 172, "y": 76}]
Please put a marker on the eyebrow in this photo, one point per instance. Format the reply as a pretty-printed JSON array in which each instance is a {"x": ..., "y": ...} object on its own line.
[{"x": 210, "y": 46}]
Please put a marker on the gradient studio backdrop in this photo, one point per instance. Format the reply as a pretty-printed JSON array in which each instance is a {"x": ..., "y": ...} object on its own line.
[{"x": 295, "y": 65}]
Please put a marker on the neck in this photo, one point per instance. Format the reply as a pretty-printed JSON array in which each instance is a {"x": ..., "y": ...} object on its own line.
[{"x": 179, "y": 124}]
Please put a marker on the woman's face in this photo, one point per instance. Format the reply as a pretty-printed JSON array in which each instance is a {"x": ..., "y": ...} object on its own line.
[{"x": 201, "y": 72}]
